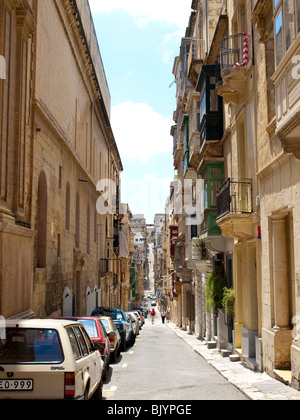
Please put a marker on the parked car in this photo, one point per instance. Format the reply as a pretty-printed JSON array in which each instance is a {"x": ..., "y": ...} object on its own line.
[
  {"x": 145, "y": 311},
  {"x": 141, "y": 314},
  {"x": 134, "y": 321},
  {"x": 119, "y": 319},
  {"x": 48, "y": 360},
  {"x": 99, "y": 337},
  {"x": 114, "y": 337},
  {"x": 137, "y": 314}
]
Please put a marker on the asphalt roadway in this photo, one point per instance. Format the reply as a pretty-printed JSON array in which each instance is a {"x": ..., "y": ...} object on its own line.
[{"x": 162, "y": 367}]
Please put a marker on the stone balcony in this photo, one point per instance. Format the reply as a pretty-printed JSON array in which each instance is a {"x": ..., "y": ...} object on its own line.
[{"x": 235, "y": 67}]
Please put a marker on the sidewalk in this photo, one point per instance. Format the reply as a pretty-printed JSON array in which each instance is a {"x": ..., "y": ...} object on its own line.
[{"x": 255, "y": 385}]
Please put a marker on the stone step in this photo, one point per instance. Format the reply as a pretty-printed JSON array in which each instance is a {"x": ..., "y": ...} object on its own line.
[
  {"x": 211, "y": 345},
  {"x": 225, "y": 353},
  {"x": 234, "y": 358}
]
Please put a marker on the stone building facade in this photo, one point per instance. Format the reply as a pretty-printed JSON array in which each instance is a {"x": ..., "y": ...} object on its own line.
[
  {"x": 58, "y": 255},
  {"x": 245, "y": 54}
]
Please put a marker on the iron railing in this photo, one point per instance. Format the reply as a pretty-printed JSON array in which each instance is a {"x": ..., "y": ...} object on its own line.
[
  {"x": 235, "y": 51},
  {"x": 235, "y": 196}
]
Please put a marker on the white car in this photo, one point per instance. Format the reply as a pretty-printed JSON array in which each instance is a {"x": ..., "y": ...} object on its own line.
[
  {"x": 138, "y": 318},
  {"x": 48, "y": 360},
  {"x": 135, "y": 322}
]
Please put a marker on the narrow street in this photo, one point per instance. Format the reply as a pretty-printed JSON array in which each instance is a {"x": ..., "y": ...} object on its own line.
[{"x": 160, "y": 366}]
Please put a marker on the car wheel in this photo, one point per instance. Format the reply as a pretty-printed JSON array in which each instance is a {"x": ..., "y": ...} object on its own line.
[
  {"x": 113, "y": 357},
  {"x": 124, "y": 345},
  {"x": 98, "y": 394},
  {"x": 104, "y": 375},
  {"x": 132, "y": 340},
  {"x": 86, "y": 394}
]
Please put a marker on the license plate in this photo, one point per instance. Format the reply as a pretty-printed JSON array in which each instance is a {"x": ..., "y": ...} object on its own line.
[{"x": 16, "y": 385}]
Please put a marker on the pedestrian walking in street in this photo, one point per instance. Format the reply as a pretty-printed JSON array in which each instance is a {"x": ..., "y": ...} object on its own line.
[
  {"x": 163, "y": 316},
  {"x": 153, "y": 313}
]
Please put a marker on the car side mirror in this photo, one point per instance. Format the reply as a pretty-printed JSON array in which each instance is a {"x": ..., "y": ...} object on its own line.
[{"x": 99, "y": 346}]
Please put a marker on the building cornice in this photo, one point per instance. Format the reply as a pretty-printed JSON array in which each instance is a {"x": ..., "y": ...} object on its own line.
[{"x": 89, "y": 66}]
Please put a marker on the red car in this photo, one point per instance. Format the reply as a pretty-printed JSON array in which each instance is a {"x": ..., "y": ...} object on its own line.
[{"x": 98, "y": 335}]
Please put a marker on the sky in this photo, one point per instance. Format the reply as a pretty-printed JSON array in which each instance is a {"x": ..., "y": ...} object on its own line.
[{"x": 138, "y": 41}]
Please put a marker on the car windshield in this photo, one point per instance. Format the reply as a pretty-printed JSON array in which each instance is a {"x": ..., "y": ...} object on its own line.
[
  {"x": 90, "y": 326},
  {"x": 34, "y": 346},
  {"x": 117, "y": 316},
  {"x": 105, "y": 324}
]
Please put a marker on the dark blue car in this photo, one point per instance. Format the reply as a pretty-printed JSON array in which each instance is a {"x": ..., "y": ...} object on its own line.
[{"x": 124, "y": 327}]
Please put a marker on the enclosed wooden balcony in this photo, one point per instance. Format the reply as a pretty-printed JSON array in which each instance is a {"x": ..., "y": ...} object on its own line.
[
  {"x": 211, "y": 108},
  {"x": 195, "y": 60}
]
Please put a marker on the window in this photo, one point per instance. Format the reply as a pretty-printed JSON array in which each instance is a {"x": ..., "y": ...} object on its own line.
[
  {"x": 2, "y": 68},
  {"x": 30, "y": 346},
  {"x": 68, "y": 197},
  {"x": 90, "y": 346},
  {"x": 186, "y": 144},
  {"x": 90, "y": 326},
  {"x": 214, "y": 99},
  {"x": 286, "y": 24},
  {"x": 106, "y": 324},
  {"x": 81, "y": 341},
  {"x": 60, "y": 177},
  {"x": 74, "y": 344},
  {"x": 278, "y": 38},
  {"x": 289, "y": 22},
  {"x": 203, "y": 103},
  {"x": 104, "y": 334},
  {"x": 41, "y": 226}
]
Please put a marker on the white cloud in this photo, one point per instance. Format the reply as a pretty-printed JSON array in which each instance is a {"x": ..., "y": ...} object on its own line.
[
  {"x": 140, "y": 131},
  {"x": 175, "y": 12},
  {"x": 146, "y": 194}
]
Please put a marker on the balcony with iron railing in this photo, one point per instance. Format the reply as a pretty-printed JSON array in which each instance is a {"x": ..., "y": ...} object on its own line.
[
  {"x": 234, "y": 65},
  {"x": 235, "y": 197}
]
